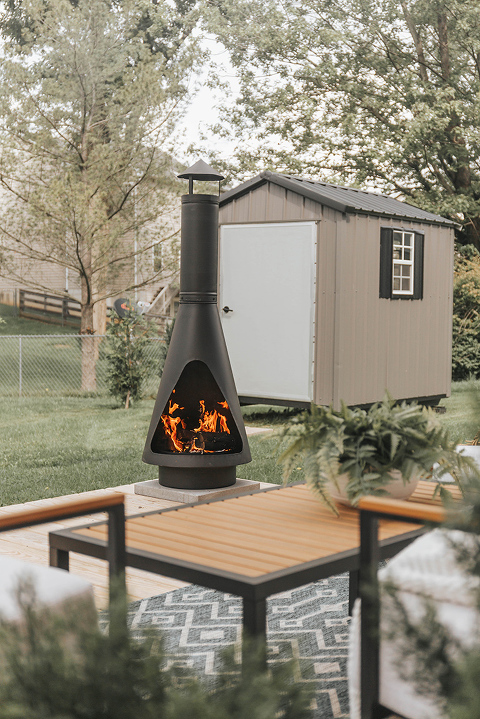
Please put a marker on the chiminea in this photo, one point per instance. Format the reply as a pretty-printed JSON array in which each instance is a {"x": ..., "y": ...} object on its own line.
[{"x": 197, "y": 435}]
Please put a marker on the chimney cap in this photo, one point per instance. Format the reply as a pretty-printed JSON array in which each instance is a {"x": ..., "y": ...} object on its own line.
[{"x": 201, "y": 171}]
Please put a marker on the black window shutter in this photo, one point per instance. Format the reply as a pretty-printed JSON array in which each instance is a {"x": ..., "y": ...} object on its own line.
[
  {"x": 386, "y": 259},
  {"x": 418, "y": 267}
]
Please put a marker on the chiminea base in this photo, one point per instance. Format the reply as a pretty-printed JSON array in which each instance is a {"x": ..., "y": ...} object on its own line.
[{"x": 197, "y": 478}]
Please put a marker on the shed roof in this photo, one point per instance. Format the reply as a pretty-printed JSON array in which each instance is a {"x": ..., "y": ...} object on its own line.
[{"x": 343, "y": 199}]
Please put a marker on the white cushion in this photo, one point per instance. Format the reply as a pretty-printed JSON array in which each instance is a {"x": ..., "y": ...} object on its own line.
[
  {"x": 54, "y": 587},
  {"x": 427, "y": 568}
]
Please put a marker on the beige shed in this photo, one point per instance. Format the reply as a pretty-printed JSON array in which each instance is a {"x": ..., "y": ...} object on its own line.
[{"x": 330, "y": 293}]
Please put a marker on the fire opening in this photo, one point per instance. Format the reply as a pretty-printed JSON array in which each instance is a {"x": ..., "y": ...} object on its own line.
[{"x": 196, "y": 418}]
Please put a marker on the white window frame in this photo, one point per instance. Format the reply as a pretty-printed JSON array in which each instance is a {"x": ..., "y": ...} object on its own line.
[{"x": 402, "y": 262}]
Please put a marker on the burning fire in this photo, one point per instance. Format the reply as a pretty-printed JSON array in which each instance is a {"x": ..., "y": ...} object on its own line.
[{"x": 210, "y": 424}]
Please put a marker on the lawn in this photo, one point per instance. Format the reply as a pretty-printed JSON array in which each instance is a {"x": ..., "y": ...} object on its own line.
[
  {"x": 40, "y": 359},
  {"x": 56, "y": 446},
  {"x": 15, "y": 325}
]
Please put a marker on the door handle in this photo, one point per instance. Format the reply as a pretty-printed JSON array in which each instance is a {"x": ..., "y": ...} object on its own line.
[{"x": 226, "y": 309}]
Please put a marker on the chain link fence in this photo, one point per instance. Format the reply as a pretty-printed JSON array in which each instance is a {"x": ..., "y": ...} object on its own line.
[{"x": 42, "y": 365}]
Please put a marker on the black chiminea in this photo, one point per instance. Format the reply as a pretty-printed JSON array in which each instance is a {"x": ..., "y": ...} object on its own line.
[{"x": 197, "y": 435}]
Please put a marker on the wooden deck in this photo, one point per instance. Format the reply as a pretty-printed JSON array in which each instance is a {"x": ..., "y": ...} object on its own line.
[{"x": 32, "y": 545}]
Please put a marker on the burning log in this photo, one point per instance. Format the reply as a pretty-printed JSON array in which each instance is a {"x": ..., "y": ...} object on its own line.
[{"x": 209, "y": 436}]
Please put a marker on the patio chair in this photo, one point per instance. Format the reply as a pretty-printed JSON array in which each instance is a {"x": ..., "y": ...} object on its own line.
[
  {"x": 426, "y": 568},
  {"x": 55, "y": 588}
]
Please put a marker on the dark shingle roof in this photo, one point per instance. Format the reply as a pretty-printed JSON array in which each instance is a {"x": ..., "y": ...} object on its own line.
[{"x": 343, "y": 199}]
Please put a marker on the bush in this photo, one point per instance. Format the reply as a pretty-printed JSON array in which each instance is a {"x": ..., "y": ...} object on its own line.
[
  {"x": 59, "y": 667},
  {"x": 128, "y": 366},
  {"x": 466, "y": 314}
]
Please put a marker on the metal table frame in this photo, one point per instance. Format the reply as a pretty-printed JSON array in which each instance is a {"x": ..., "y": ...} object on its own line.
[{"x": 254, "y": 591}]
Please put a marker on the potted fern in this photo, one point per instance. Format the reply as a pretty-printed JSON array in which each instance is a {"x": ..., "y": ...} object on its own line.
[{"x": 350, "y": 453}]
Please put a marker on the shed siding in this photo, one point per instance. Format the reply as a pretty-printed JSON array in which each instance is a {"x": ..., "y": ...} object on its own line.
[
  {"x": 269, "y": 203},
  {"x": 400, "y": 345},
  {"x": 365, "y": 345},
  {"x": 325, "y": 308}
]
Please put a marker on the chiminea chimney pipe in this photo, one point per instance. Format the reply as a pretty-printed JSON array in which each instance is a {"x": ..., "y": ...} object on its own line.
[
  {"x": 197, "y": 381},
  {"x": 199, "y": 249}
]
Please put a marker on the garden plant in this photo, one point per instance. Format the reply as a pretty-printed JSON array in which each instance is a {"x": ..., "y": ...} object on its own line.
[
  {"x": 367, "y": 446},
  {"x": 127, "y": 360},
  {"x": 58, "y": 666}
]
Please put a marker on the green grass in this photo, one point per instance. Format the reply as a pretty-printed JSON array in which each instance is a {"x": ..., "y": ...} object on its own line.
[
  {"x": 56, "y": 446},
  {"x": 52, "y": 447},
  {"x": 463, "y": 412},
  {"x": 15, "y": 325}
]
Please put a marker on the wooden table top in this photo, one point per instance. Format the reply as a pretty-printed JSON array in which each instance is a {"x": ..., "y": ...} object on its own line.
[{"x": 257, "y": 534}]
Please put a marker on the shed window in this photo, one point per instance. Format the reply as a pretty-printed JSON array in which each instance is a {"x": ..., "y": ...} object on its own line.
[{"x": 401, "y": 264}]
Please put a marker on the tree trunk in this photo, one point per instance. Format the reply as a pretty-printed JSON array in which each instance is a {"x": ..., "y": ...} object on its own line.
[
  {"x": 470, "y": 233},
  {"x": 89, "y": 362},
  {"x": 100, "y": 317},
  {"x": 89, "y": 350}
]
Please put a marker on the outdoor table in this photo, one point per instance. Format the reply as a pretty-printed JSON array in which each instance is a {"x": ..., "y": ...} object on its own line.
[{"x": 252, "y": 546}]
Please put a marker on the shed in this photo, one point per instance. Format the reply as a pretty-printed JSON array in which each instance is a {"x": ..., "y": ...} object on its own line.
[{"x": 329, "y": 293}]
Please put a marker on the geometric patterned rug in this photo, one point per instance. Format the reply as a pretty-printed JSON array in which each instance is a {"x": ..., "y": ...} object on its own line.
[{"x": 308, "y": 625}]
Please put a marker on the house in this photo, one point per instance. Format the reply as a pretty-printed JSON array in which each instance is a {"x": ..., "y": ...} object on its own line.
[
  {"x": 330, "y": 293},
  {"x": 40, "y": 288}
]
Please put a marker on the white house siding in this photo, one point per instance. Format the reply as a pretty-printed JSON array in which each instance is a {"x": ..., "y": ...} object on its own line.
[{"x": 52, "y": 277}]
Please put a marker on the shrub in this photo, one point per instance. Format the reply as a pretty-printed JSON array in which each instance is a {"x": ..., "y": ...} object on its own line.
[
  {"x": 66, "y": 668},
  {"x": 466, "y": 314},
  {"x": 128, "y": 365}
]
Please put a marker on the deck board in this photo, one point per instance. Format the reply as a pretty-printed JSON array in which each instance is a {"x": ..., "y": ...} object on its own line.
[
  {"x": 237, "y": 522},
  {"x": 31, "y": 545},
  {"x": 299, "y": 529}
]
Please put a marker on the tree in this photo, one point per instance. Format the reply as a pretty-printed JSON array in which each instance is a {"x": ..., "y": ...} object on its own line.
[
  {"x": 379, "y": 93},
  {"x": 91, "y": 91},
  {"x": 128, "y": 364},
  {"x": 466, "y": 314}
]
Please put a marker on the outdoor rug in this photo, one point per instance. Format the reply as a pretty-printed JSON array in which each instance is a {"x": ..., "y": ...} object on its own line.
[{"x": 308, "y": 625}]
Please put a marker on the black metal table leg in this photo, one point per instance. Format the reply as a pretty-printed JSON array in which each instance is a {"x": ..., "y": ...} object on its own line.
[
  {"x": 59, "y": 558},
  {"x": 370, "y": 616},
  {"x": 254, "y": 625},
  {"x": 353, "y": 586}
]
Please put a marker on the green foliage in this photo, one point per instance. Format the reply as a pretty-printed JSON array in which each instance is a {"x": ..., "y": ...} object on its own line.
[
  {"x": 370, "y": 92},
  {"x": 367, "y": 445},
  {"x": 91, "y": 94},
  {"x": 127, "y": 360},
  {"x": 58, "y": 666},
  {"x": 466, "y": 314}
]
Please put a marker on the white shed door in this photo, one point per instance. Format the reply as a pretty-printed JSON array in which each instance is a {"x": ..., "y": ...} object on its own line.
[{"x": 267, "y": 279}]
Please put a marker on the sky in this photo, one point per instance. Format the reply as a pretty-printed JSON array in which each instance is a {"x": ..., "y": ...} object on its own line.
[{"x": 203, "y": 111}]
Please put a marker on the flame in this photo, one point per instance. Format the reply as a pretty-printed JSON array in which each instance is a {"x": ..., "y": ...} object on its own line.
[
  {"x": 170, "y": 425},
  {"x": 210, "y": 421}
]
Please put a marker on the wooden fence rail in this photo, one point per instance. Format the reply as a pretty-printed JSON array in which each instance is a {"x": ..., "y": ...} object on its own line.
[{"x": 49, "y": 308}]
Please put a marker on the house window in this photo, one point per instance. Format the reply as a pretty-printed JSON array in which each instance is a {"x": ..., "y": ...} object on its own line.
[{"x": 401, "y": 264}]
